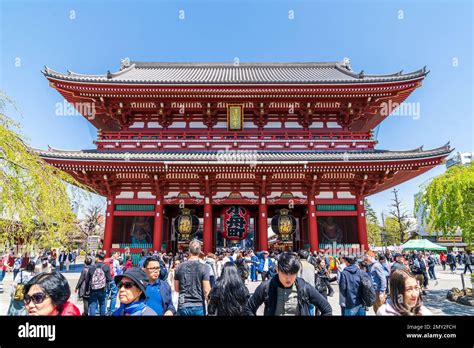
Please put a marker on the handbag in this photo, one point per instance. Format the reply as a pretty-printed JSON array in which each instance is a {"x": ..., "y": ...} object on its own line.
[{"x": 20, "y": 289}]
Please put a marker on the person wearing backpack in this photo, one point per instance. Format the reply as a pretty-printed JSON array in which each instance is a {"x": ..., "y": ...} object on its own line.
[
  {"x": 431, "y": 267},
  {"x": 242, "y": 267},
  {"x": 467, "y": 262},
  {"x": 419, "y": 270},
  {"x": 451, "y": 260},
  {"x": 82, "y": 288},
  {"x": 286, "y": 294},
  {"x": 17, "y": 306},
  {"x": 379, "y": 280},
  {"x": 98, "y": 278},
  {"x": 356, "y": 288}
]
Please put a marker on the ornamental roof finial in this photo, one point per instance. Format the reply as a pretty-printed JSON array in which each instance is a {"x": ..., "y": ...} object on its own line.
[
  {"x": 346, "y": 62},
  {"x": 124, "y": 63}
]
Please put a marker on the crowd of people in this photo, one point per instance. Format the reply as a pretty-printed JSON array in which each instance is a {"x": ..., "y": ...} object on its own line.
[{"x": 192, "y": 283}]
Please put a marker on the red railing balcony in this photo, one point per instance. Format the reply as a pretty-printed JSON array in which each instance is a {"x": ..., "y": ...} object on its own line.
[{"x": 195, "y": 140}]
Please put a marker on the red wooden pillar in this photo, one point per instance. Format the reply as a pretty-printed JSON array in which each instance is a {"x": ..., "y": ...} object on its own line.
[
  {"x": 312, "y": 225},
  {"x": 207, "y": 228},
  {"x": 361, "y": 223},
  {"x": 262, "y": 225},
  {"x": 158, "y": 225},
  {"x": 109, "y": 224}
]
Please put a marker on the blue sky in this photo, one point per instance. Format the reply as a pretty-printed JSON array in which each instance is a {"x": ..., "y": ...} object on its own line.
[{"x": 378, "y": 37}]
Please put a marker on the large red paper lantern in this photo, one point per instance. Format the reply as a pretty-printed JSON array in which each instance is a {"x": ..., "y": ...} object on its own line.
[{"x": 235, "y": 222}]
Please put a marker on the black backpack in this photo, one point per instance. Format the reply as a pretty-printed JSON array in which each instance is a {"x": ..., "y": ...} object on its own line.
[
  {"x": 367, "y": 289},
  {"x": 242, "y": 268}
]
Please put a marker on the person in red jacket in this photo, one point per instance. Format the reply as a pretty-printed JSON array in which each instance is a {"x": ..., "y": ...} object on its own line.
[
  {"x": 442, "y": 259},
  {"x": 128, "y": 263},
  {"x": 47, "y": 294}
]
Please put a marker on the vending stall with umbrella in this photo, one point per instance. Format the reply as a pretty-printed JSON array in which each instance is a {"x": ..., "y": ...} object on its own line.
[{"x": 422, "y": 244}]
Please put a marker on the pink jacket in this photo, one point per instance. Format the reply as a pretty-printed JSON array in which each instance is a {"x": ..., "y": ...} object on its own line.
[{"x": 387, "y": 310}]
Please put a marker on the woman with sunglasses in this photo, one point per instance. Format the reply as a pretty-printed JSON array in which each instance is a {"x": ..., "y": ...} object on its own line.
[
  {"x": 131, "y": 293},
  {"x": 405, "y": 296},
  {"x": 47, "y": 294}
]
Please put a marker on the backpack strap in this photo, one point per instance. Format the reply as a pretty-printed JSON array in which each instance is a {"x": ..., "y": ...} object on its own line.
[
  {"x": 266, "y": 291},
  {"x": 304, "y": 291}
]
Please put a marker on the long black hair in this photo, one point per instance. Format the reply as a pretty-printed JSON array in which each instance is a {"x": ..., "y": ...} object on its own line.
[{"x": 229, "y": 297}]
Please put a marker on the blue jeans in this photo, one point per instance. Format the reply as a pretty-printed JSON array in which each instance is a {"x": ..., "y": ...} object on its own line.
[
  {"x": 113, "y": 296},
  {"x": 253, "y": 273},
  {"x": 192, "y": 311},
  {"x": 97, "y": 298},
  {"x": 431, "y": 272},
  {"x": 357, "y": 311},
  {"x": 311, "y": 309},
  {"x": 2, "y": 275}
]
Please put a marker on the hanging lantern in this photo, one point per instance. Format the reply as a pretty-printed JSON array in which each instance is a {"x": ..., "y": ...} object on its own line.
[
  {"x": 235, "y": 222},
  {"x": 186, "y": 224},
  {"x": 284, "y": 224}
]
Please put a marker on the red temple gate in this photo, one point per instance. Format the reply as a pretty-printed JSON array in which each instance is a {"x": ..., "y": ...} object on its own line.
[{"x": 264, "y": 136}]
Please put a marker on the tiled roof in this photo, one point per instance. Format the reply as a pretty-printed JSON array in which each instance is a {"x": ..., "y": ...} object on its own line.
[
  {"x": 228, "y": 73},
  {"x": 259, "y": 156}
]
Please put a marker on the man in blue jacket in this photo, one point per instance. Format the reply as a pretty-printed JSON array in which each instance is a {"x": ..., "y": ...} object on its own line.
[
  {"x": 158, "y": 292},
  {"x": 253, "y": 268},
  {"x": 265, "y": 265},
  {"x": 350, "y": 287}
]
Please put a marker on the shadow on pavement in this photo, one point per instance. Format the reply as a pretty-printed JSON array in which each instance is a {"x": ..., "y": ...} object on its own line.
[{"x": 437, "y": 302}]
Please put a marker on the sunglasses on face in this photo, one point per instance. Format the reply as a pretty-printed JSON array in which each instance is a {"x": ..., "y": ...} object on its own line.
[
  {"x": 153, "y": 269},
  {"x": 126, "y": 285},
  {"x": 37, "y": 298}
]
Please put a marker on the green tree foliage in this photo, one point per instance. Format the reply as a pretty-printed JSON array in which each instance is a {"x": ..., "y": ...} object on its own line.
[
  {"x": 391, "y": 230},
  {"x": 35, "y": 208},
  {"x": 447, "y": 202},
  {"x": 373, "y": 227}
]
